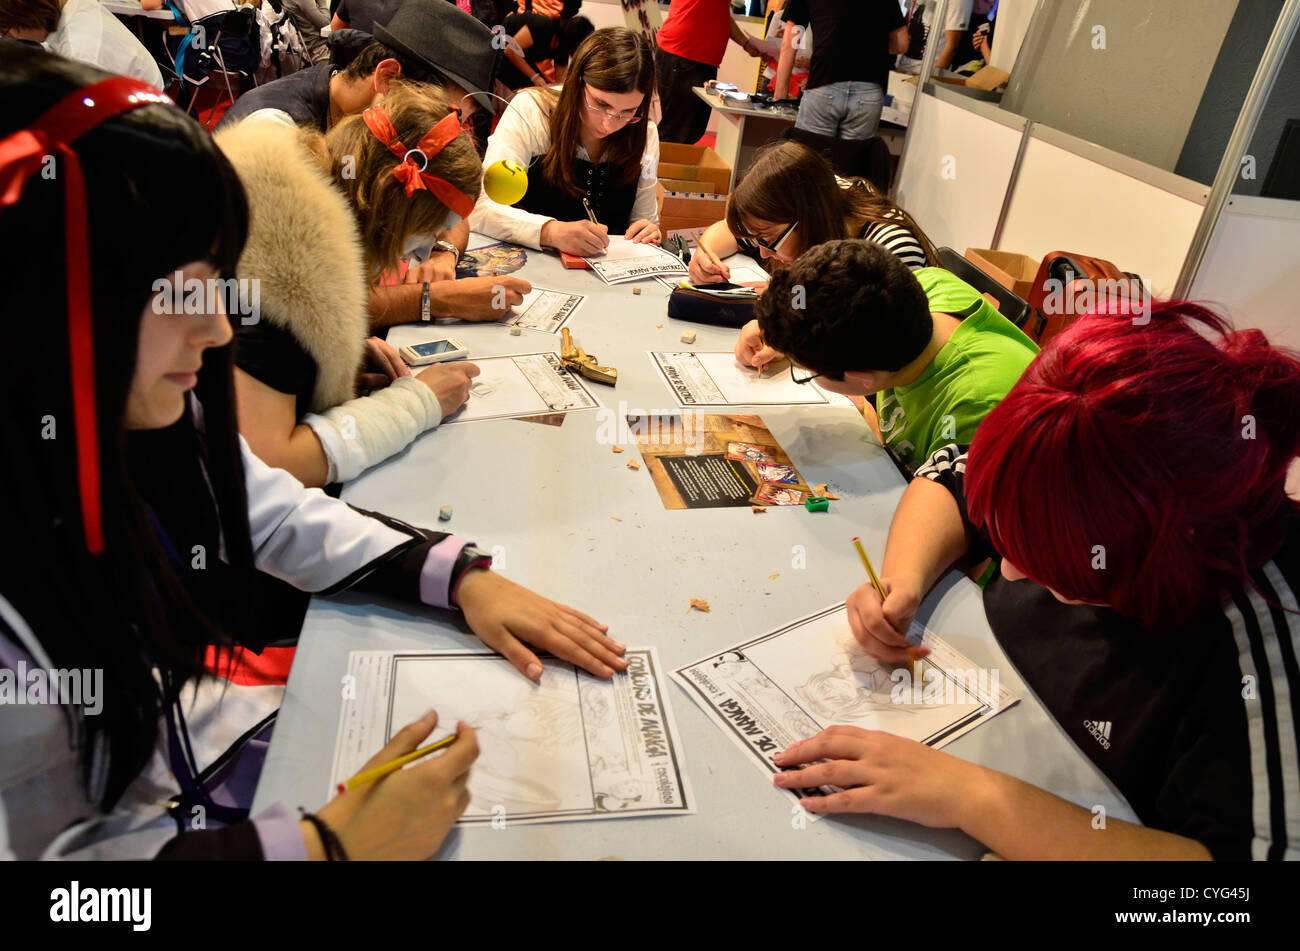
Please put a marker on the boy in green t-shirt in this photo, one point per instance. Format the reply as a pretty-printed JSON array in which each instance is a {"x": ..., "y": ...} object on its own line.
[{"x": 938, "y": 355}]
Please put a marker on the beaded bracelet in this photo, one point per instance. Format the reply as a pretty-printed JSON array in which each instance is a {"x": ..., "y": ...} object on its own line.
[{"x": 333, "y": 847}]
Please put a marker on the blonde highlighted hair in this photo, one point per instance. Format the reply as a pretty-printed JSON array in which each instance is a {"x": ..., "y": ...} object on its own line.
[{"x": 362, "y": 166}]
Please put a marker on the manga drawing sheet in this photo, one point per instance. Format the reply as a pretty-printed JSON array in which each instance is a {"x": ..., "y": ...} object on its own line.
[
  {"x": 571, "y": 747},
  {"x": 792, "y": 683},
  {"x": 526, "y": 384},
  {"x": 716, "y": 378},
  {"x": 625, "y": 260}
]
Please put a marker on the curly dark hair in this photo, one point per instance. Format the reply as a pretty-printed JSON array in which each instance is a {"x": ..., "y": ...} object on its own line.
[{"x": 846, "y": 305}]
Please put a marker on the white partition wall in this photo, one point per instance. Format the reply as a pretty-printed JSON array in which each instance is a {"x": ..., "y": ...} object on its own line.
[
  {"x": 1103, "y": 205},
  {"x": 1252, "y": 266},
  {"x": 956, "y": 169}
]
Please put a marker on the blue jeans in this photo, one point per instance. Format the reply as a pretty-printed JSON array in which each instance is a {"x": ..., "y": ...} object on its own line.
[{"x": 842, "y": 110}]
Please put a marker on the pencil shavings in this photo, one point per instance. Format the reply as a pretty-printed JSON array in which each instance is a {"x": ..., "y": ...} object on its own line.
[
  {"x": 822, "y": 492},
  {"x": 633, "y": 464},
  {"x": 758, "y": 509},
  {"x": 774, "y": 577},
  {"x": 616, "y": 518},
  {"x": 617, "y": 449},
  {"x": 699, "y": 604}
]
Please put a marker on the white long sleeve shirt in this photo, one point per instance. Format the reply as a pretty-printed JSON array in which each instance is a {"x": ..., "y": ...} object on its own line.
[{"x": 524, "y": 133}]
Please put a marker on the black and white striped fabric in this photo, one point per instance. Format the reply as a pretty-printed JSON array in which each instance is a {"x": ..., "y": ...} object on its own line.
[
  {"x": 898, "y": 241},
  {"x": 1199, "y": 728}
]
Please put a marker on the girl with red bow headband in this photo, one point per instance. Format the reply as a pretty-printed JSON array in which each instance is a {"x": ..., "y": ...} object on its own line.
[{"x": 330, "y": 213}]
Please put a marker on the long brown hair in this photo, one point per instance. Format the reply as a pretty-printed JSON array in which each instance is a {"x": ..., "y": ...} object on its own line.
[
  {"x": 613, "y": 60},
  {"x": 790, "y": 182},
  {"x": 362, "y": 167}
]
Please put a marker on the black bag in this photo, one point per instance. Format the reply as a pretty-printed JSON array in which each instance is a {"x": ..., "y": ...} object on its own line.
[{"x": 702, "y": 304}]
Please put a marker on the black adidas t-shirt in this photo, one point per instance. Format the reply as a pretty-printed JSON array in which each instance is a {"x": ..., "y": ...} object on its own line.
[{"x": 1197, "y": 727}]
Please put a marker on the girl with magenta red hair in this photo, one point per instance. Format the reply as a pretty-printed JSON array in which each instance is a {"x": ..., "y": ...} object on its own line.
[{"x": 1133, "y": 485}]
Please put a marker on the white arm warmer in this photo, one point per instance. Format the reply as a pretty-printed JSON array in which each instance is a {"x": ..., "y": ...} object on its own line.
[{"x": 362, "y": 432}]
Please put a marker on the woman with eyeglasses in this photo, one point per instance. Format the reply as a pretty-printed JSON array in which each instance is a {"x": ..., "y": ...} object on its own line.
[
  {"x": 588, "y": 145},
  {"x": 791, "y": 200}
]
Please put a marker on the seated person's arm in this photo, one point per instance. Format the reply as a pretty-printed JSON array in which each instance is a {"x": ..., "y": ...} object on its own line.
[
  {"x": 338, "y": 23},
  {"x": 151, "y": 4},
  {"x": 1018, "y": 820},
  {"x": 469, "y": 298},
  {"x": 893, "y": 776},
  {"x": 268, "y": 420},
  {"x": 926, "y": 537}
]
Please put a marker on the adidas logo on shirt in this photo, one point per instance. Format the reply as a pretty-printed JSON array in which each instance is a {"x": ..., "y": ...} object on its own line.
[{"x": 1100, "y": 730}]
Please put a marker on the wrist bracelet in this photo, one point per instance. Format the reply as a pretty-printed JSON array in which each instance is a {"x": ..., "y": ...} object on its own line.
[
  {"x": 334, "y": 851},
  {"x": 425, "y": 303}
]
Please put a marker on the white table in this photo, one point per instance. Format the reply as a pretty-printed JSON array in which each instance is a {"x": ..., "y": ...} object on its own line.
[{"x": 550, "y": 496}]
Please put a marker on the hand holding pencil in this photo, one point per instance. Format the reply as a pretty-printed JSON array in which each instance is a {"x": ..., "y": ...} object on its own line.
[
  {"x": 880, "y": 613},
  {"x": 402, "y": 813}
]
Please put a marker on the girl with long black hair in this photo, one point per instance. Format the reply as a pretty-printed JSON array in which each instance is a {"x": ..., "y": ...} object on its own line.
[{"x": 136, "y": 518}]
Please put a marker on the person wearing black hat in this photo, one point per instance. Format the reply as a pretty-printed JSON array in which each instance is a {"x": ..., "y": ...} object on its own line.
[{"x": 428, "y": 41}]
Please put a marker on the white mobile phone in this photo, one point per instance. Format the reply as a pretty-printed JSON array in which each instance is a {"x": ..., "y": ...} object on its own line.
[{"x": 433, "y": 351}]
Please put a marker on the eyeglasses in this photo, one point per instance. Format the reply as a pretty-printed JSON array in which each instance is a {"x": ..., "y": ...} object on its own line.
[
  {"x": 775, "y": 246},
  {"x": 625, "y": 118},
  {"x": 806, "y": 379}
]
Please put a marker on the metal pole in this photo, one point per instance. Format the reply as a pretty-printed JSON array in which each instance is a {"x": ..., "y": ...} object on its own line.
[
  {"x": 1283, "y": 32},
  {"x": 927, "y": 67}
]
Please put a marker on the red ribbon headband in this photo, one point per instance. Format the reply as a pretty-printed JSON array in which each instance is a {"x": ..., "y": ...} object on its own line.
[
  {"x": 411, "y": 169},
  {"x": 22, "y": 154}
]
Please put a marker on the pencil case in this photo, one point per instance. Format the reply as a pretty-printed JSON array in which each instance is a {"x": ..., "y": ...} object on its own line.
[{"x": 700, "y": 306}]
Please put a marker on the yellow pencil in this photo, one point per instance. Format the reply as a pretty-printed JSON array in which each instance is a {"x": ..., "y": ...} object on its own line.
[
  {"x": 762, "y": 344},
  {"x": 913, "y": 664},
  {"x": 379, "y": 772}
]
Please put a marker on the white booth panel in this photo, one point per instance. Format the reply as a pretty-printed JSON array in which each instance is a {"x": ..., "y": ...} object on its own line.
[
  {"x": 1252, "y": 266},
  {"x": 1065, "y": 202},
  {"x": 955, "y": 174}
]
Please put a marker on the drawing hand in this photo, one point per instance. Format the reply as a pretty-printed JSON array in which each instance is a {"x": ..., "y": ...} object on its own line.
[
  {"x": 575, "y": 237},
  {"x": 704, "y": 271},
  {"x": 407, "y": 814},
  {"x": 890, "y": 776},
  {"x": 450, "y": 382},
  {"x": 750, "y": 349},
  {"x": 506, "y": 616},
  {"x": 879, "y": 628}
]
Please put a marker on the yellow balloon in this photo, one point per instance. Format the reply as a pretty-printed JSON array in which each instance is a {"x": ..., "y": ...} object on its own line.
[{"x": 505, "y": 182}]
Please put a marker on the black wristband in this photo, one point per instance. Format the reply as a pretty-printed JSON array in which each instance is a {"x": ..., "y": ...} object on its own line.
[{"x": 334, "y": 851}]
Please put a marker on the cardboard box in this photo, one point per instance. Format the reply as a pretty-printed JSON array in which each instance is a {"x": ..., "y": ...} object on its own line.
[
  {"x": 988, "y": 78},
  {"x": 694, "y": 163},
  {"x": 678, "y": 185},
  {"x": 1015, "y": 272}
]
